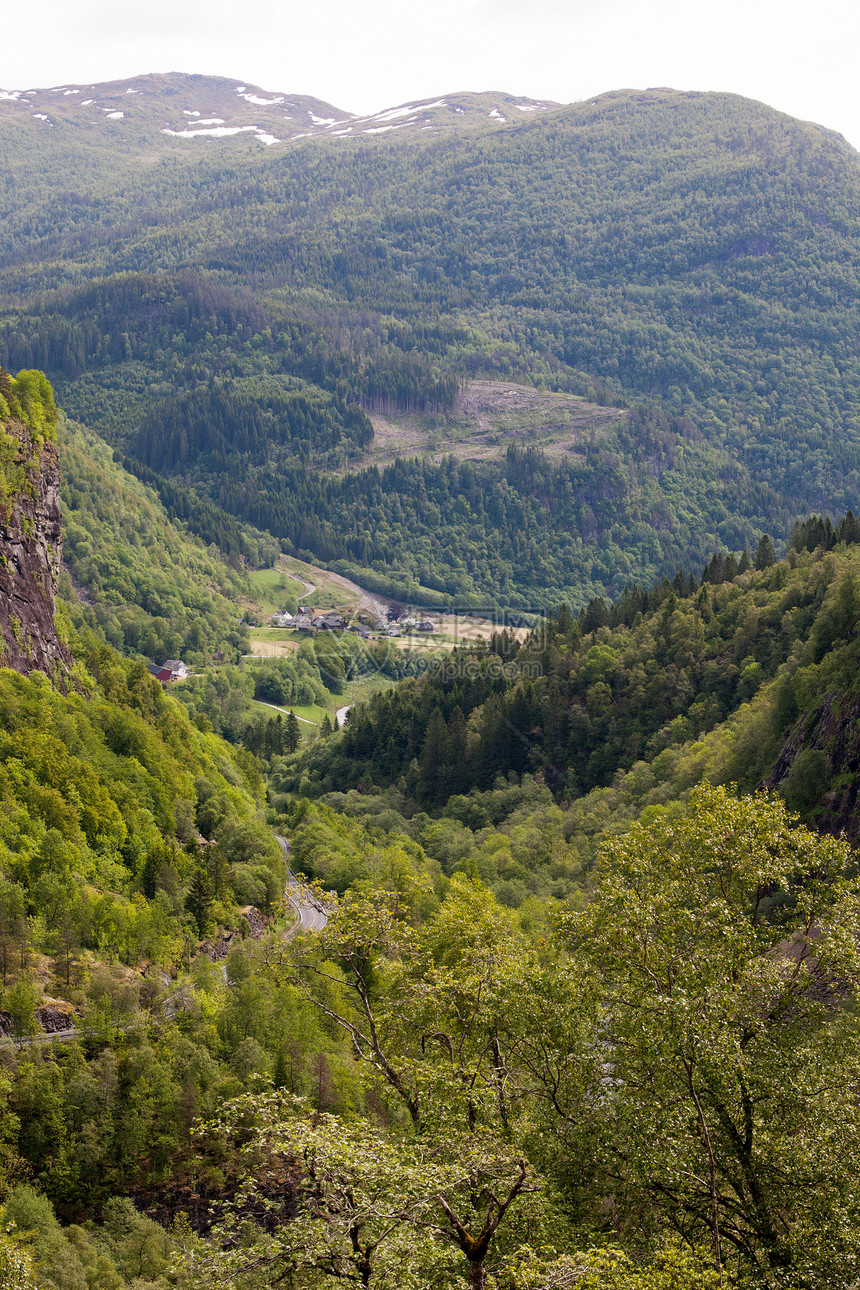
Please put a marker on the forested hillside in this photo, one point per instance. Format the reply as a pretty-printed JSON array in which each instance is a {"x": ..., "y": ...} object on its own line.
[
  {"x": 147, "y": 581},
  {"x": 690, "y": 255},
  {"x": 579, "y": 1008},
  {"x": 516, "y": 761}
]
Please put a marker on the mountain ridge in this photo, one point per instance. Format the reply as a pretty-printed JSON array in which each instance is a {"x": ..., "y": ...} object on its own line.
[
  {"x": 194, "y": 107},
  {"x": 693, "y": 255}
]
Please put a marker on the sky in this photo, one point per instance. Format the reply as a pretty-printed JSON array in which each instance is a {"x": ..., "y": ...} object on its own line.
[{"x": 365, "y": 55}]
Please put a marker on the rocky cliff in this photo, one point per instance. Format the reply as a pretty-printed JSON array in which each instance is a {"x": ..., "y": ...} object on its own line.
[
  {"x": 818, "y": 769},
  {"x": 30, "y": 528}
]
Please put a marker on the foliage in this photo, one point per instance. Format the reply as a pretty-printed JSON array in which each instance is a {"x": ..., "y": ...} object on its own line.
[
  {"x": 725, "y": 944},
  {"x": 16, "y": 1267},
  {"x": 655, "y": 1082},
  {"x": 652, "y": 1067},
  {"x": 689, "y": 255},
  {"x": 105, "y": 794},
  {"x": 611, "y": 1268},
  {"x": 746, "y": 678},
  {"x": 29, "y": 399},
  {"x": 28, "y": 418},
  {"x": 150, "y": 587}
]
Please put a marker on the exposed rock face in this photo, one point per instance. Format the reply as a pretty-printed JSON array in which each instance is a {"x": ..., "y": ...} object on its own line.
[
  {"x": 30, "y": 554},
  {"x": 828, "y": 737},
  {"x": 55, "y": 1020}
]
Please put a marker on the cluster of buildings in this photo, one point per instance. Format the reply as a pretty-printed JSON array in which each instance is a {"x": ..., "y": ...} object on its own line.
[
  {"x": 330, "y": 620},
  {"x": 418, "y": 625},
  {"x": 307, "y": 620},
  {"x": 310, "y": 620}
]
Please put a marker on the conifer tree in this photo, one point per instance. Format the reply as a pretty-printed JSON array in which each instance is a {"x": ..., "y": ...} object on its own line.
[
  {"x": 292, "y": 734},
  {"x": 765, "y": 555}
]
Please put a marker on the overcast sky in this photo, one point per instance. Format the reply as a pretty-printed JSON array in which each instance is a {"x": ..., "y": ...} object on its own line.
[{"x": 364, "y": 55}]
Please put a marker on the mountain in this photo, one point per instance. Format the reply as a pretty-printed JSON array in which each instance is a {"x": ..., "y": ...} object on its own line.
[
  {"x": 148, "y": 574},
  {"x": 176, "y": 106},
  {"x": 235, "y": 315},
  {"x": 327, "y": 335}
]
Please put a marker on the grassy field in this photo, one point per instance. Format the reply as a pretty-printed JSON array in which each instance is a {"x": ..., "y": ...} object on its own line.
[
  {"x": 294, "y": 577},
  {"x": 317, "y": 587},
  {"x": 306, "y": 712},
  {"x": 311, "y": 715},
  {"x": 451, "y": 631},
  {"x": 361, "y": 690},
  {"x": 271, "y": 586},
  {"x": 327, "y": 593},
  {"x": 272, "y": 642}
]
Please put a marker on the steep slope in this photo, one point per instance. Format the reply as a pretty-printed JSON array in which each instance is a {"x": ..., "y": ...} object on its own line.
[
  {"x": 104, "y": 790},
  {"x": 30, "y": 533},
  {"x": 148, "y": 582},
  {"x": 696, "y": 253}
]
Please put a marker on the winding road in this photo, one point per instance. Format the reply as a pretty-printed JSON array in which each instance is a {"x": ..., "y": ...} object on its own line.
[
  {"x": 310, "y": 910},
  {"x": 311, "y": 915}
]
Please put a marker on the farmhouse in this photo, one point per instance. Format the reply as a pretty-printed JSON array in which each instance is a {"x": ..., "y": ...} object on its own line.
[
  {"x": 178, "y": 670},
  {"x": 170, "y": 670},
  {"x": 329, "y": 622}
]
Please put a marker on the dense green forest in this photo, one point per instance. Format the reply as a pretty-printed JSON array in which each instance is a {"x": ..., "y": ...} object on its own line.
[
  {"x": 570, "y": 1081},
  {"x": 583, "y": 1009},
  {"x": 516, "y": 762},
  {"x": 692, "y": 256},
  {"x": 149, "y": 586}
]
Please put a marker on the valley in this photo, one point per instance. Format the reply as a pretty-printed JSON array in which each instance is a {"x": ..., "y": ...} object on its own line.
[{"x": 537, "y": 426}]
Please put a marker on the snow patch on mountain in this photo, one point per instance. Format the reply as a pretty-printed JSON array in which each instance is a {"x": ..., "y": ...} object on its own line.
[
  {"x": 219, "y": 132},
  {"x": 253, "y": 110},
  {"x": 223, "y": 132},
  {"x": 393, "y": 113},
  {"x": 409, "y": 109}
]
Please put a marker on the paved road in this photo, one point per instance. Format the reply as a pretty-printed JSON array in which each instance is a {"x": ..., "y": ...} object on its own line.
[
  {"x": 309, "y": 909},
  {"x": 57, "y": 1036}
]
